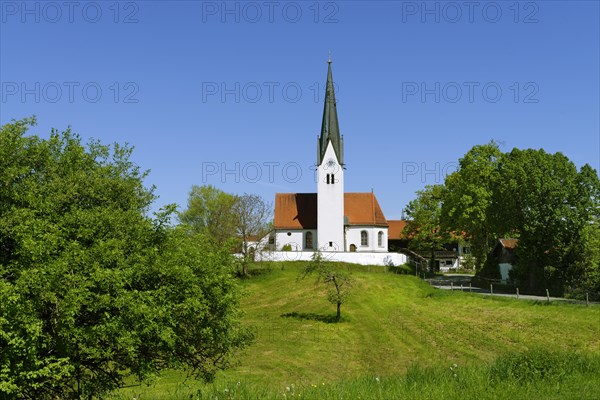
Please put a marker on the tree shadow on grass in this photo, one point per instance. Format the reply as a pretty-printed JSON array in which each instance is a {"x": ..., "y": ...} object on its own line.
[{"x": 329, "y": 319}]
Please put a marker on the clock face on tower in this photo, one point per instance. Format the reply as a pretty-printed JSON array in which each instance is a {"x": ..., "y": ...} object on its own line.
[{"x": 331, "y": 163}]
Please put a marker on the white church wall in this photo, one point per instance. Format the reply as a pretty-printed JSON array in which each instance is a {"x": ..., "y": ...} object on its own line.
[
  {"x": 291, "y": 237},
  {"x": 353, "y": 236},
  {"x": 296, "y": 238},
  {"x": 363, "y": 258}
]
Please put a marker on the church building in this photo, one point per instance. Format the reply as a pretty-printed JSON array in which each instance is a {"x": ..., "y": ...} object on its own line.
[{"x": 330, "y": 220}]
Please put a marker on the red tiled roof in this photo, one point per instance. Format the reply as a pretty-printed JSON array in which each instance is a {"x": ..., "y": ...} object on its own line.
[
  {"x": 363, "y": 209},
  {"x": 395, "y": 228},
  {"x": 509, "y": 243},
  {"x": 295, "y": 211},
  {"x": 299, "y": 210}
]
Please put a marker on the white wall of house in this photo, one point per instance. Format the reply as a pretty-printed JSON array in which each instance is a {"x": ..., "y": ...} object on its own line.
[
  {"x": 448, "y": 264},
  {"x": 295, "y": 238},
  {"x": 463, "y": 249},
  {"x": 364, "y": 258},
  {"x": 504, "y": 271},
  {"x": 330, "y": 203},
  {"x": 353, "y": 237}
]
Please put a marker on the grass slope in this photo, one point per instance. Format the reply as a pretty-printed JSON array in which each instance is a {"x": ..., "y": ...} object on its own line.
[{"x": 390, "y": 323}]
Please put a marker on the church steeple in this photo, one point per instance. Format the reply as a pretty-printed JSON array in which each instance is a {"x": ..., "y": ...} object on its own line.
[{"x": 330, "y": 130}]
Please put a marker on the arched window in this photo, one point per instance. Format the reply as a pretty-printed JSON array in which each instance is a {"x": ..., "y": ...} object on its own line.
[
  {"x": 308, "y": 240},
  {"x": 380, "y": 239},
  {"x": 364, "y": 238}
]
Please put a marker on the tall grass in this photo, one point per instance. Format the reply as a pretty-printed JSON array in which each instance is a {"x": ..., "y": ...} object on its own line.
[{"x": 534, "y": 374}]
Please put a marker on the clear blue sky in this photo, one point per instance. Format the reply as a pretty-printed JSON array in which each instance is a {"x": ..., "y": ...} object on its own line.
[{"x": 199, "y": 87}]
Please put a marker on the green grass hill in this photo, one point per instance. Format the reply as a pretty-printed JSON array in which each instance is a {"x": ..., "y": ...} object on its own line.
[{"x": 395, "y": 327}]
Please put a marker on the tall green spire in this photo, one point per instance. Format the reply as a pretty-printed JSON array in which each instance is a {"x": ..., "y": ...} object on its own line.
[{"x": 330, "y": 130}]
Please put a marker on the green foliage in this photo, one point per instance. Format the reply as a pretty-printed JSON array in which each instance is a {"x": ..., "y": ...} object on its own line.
[
  {"x": 91, "y": 288},
  {"x": 541, "y": 364},
  {"x": 402, "y": 269},
  {"x": 286, "y": 247},
  {"x": 468, "y": 196},
  {"x": 548, "y": 205},
  {"x": 210, "y": 211},
  {"x": 468, "y": 262},
  {"x": 339, "y": 282},
  {"x": 424, "y": 227},
  {"x": 228, "y": 219},
  {"x": 539, "y": 198}
]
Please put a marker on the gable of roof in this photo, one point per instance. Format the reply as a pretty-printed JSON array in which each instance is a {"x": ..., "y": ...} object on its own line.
[
  {"x": 510, "y": 244},
  {"x": 395, "y": 228},
  {"x": 363, "y": 209},
  {"x": 295, "y": 211},
  {"x": 299, "y": 210}
]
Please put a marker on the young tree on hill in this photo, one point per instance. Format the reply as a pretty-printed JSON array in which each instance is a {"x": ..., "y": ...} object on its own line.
[
  {"x": 339, "y": 283},
  {"x": 91, "y": 288}
]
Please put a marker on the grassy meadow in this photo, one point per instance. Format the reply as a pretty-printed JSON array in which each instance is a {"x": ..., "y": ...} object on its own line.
[{"x": 398, "y": 338}]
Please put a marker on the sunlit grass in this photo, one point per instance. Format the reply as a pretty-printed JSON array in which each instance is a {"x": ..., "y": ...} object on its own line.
[{"x": 389, "y": 324}]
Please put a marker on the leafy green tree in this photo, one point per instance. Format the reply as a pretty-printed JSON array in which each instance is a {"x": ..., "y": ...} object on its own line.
[
  {"x": 544, "y": 201},
  {"x": 424, "y": 226},
  {"x": 338, "y": 282},
  {"x": 467, "y": 199},
  {"x": 211, "y": 211},
  {"x": 92, "y": 289}
]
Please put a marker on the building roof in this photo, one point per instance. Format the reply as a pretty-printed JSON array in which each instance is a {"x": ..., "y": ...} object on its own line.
[
  {"x": 363, "y": 209},
  {"x": 295, "y": 211},
  {"x": 330, "y": 129},
  {"x": 508, "y": 243},
  {"x": 395, "y": 229},
  {"x": 299, "y": 210}
]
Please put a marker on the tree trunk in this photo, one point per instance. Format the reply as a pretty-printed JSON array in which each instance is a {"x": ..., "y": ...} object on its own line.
[{"x": 338, "y": 316}]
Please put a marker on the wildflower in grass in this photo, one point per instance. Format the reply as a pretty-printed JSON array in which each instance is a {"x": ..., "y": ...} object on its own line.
[
  {"x": 377, "y": 379},
  {"x": 454, "y": 368}
]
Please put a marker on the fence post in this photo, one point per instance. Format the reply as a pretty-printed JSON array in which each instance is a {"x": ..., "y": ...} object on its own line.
[
  {"x": 517, "y": 293},
  {"x": 451, "y": 286},
  {"x": 491, "y": 288},
  {"x": 469, "y": 287},
  {"x": 548, "y": 295},
  {"x": 461, "y": 287},
  {"x": 587, "y": 299}
]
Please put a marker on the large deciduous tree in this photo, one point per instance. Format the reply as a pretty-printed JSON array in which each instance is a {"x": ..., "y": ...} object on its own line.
[
  {"x": 92, "y": 289},
  {"x": 551, "y": 208},
  {"x": 468, "y": 196}
]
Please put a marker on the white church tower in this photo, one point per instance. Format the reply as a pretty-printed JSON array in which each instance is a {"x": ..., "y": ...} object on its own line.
[{"x": 330, "y": 176}]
